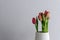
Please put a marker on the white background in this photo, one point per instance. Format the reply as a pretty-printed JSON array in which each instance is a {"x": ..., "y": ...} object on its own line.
[{"x": 16, "y": 16}]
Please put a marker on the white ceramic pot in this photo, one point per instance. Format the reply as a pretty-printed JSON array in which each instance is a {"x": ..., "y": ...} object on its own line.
[{"x": 42, "y": 36}]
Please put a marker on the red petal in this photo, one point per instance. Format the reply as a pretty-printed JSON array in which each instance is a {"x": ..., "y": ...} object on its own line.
[
  {"x": 46, "y": 12},
  {"x": 41, "y": 13},
  {"x": 33, "y": 20},
  {"x": 40, "y": 17}
]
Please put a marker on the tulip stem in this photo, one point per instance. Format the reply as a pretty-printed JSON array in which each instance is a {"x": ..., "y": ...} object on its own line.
[
  {"x": 44, "y": 24},
  {"x": 36, "y": 25}
]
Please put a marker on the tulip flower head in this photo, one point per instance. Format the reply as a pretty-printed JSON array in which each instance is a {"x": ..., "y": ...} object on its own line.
[
  {"x": 40, "y": 16},
  {"x": 47, "y": 14},
  {"x": 33, "y": 20}
]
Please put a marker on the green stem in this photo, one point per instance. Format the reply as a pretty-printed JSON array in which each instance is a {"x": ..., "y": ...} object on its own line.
[
  {"x": 36, "y": 25},
  {"x": 44, "y": 24}
]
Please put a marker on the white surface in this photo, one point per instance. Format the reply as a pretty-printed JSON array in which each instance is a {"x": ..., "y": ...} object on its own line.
[
  {"x": 42, "y": 36},
  {"x": 16, "y": 15}
]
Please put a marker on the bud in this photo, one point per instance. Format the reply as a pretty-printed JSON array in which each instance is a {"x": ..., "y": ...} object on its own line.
[
  {"x": 40, "y": 17},
  {"x": 47, "y": 14},
  {"x": 33, "y": 20}
]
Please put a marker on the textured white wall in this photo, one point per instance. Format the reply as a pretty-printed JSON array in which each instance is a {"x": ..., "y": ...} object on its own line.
[{"x": 16, "y": 15}]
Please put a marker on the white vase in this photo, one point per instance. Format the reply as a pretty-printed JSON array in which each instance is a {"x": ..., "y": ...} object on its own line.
[{"x": 42, "y": 36}]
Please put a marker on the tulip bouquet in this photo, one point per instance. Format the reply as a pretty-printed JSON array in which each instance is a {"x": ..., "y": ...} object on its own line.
[{"x": 43, "y": 17}]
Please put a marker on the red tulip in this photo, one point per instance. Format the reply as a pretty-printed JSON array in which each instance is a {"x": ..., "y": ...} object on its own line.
[
  {"x": 41, "y": 13},
  {"x": 33, "y": 20},
  {"x": 40, "y": 16},
  {"x": 46, "y": 13}
]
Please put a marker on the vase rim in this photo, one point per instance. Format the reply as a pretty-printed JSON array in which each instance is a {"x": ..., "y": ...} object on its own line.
[{"x": 41, "y": 32}]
